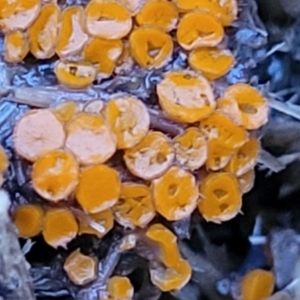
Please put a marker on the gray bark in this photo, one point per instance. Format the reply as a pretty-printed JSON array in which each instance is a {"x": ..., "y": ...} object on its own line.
[{"x": 15, "y": 282}]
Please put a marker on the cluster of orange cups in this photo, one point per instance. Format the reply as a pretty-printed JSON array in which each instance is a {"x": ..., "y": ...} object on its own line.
[
  {"x": 108, "y": 35},
  {"x": 208, "y": 166}
]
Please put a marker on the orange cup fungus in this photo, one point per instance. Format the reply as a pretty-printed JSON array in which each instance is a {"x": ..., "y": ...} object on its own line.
[
  {"x": 16, "y": 45},
  {"x": 89, "y": 139},
  {"x": 60, "y": 227},
  {"x": 175, "y": 194},
  {"x": 81, "y": 269},
  {"x": 191, "y": 148},
  {"x": 174, "y": 272},
  {"x": 72, "y": 36},
  {"x": 213, "y": 63},
  {"x": 105, "y": 60},
  {"x": 65, "y": 111},
  {"x": 244, "y": 158},
  {"x": 75, "y": 75},
  {"x": 28, "y": 220},
  {"x": 246, "y": 181},
  {"x": 218, "y": 155},
  {"x": 226, "y": 11},
  {"x": 43, "y": 32},
  {"x": 224, "y": 130},
  {"x": 257, "y": 285},
  {"x": 37, "y": 133},
  {"x": 199, "y": 29},
  {"x": 167, "y": 244},
  {"x": 55, "y": 175},
  {"x": 107, "y": 20},
  {"x": 185, "y": 96},
  {"x": 135, "y": 206},
  {"x": 158, "y": 13},
  {"x": 98, "y": 189},
  {"x": 245, "y": 105},
  {"x": 125, "y": 62},
  {"x": 150, "y": 47},
  {"x": 133, "y": 6},
  {"x": 3, "y": 160},
  {"x": 18, "y": 14},
  {"x": 151, "y": 157},
  {"x": 168, "y": 279},
  {"x": 119, "y": 288},
  {"x": 128, "y": 119},
  {"x": 128, "y": 242},
  {"x": 103, "y": 220},
  {"x": 221, "y": 197},
  {"x": 230, "y": 9}
]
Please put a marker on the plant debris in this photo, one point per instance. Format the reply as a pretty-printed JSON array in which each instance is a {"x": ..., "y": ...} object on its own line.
[{"x": 163, "y": 166}]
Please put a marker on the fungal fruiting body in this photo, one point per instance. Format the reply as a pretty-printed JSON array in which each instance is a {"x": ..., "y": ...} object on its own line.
[
  {"x": 191, "y": 148},
  {"x": 224, "y": 137},
  {"x": 3, "y": 164},
  {"x": 246, "y": 105},
  {"x": 226, "y": 11},
  {"x": 151, "y": 157},
  {"x": 81, "y": 269},
  {"x": 128, "y": 119},
  {"x": 158, "y": 13},
  {"x": 220, "y": 127},
  {"x": 185, "y": 96},
  {"x": 150, "y": 47},
  {"x": 119, "y": 288},
  {"x": 28, "y": 220},
  {"x": 89, "y": 139},
  {"x": 81, "y": 150},
  {"x": 98, "y": 189},
  {"x": 55, "y": 175},
  {"x": 71, "y": 36},
  {"x": 16, "y": 45},
  {"x": 244, "y": 158},
  {"x": 65, "y": 111},
  {"x": 199, "y": 29},
  {"x": 43, "y": 32},
  {"x": 135, "y": 206},
  {"x": 101, "y": 223},
  {"x": 75, "y": 75},
  {"x": 18, "y": 14},
  {"x": 246, "y": 181},
  {"x": 167, "y": 244},
  {"x": 37, "y": 133},
  {"x": 220, "y": 197},
  {"x": 218, "y": 155},
  {"x": 213, "y": 63},
  {"x": 257, "y": 284},
  {"x": 174, "y": 272},
  {"x": 107, "y": 20},
  {"x": 3, "y": 160},
  {"x": 60, "y": 227},
  {"x": 175, "y": 194},
  {"x": 104, "y": 60},
  {"x": 168, "y": 279}
]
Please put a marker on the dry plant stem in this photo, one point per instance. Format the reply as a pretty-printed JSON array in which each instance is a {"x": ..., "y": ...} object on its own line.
[
  {"x": 14, "y": 275},
  {"x": 44, "y": 97},
  {"x": 204, "y": 273},
  {"x": 270, "y": 161},
  {"x": 160, "y": 122}
]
